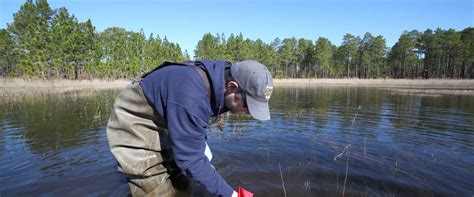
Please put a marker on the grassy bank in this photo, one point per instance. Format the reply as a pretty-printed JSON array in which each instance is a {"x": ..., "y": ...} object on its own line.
[
  {"x": 96, "y": 84},
  {"x": 13, "y": 88},
  {"x": 387, "y": 83},
  {"x": 62, "y": 84}
]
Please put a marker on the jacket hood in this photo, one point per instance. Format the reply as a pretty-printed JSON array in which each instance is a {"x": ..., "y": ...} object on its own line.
[{"x": 215, "y": 73}]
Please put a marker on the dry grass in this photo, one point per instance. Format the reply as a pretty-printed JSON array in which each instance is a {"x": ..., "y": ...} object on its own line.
[
  {"x": 402, "y": 86},
  {"x": 106, "y": 84},
  {"x": 58, "y": 86},
  {"x": 282, "y": 182},
  {"x": 406, "y": 83},
  {"x": 431, "y": 87},
  {"x": 430, "y": 92}
]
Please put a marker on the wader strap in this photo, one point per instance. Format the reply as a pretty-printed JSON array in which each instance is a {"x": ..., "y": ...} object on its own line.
[
  {"x": 204, "y": 78},
  {"x": 190, "y": 64}
]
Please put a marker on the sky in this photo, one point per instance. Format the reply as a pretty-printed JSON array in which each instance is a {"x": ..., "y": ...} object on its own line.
[{"x": 186, "y": 21}]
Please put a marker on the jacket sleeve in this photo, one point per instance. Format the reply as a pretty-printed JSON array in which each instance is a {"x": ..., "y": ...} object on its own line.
[{"x": 188, "y": 132}]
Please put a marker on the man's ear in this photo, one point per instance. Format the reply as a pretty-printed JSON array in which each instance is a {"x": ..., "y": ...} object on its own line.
[{"x": 231, "y": 85}]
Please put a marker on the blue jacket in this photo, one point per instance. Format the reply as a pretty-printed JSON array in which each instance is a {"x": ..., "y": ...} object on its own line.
[{"x": 179, "y": 95}]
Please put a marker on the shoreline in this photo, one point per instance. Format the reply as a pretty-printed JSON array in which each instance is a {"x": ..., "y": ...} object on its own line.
[
  {"x": 465, "y": 84},
  {"x": 15, "y": 85},
  {"x": 38, "y": 84}
]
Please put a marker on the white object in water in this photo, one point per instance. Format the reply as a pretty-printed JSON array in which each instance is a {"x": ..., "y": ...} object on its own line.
[{"x": 208, "y": 152}]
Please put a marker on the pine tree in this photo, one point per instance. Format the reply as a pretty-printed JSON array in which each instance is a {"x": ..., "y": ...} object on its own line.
[
  {"x": 8, "y": 58},
  {"x": 467, "y": 40},
  {"x": 30, "y": 31},
  {"x": 323, "y": 57},
  {"x": 348, "y": 52}
]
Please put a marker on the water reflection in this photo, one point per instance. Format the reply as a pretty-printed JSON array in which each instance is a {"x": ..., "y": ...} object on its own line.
[
  {"x": 56, "y": 139},
  {"x": 399, "y": 144},
  {"x": 325, "y": 140},
  {"x": 56, "y": 121}
]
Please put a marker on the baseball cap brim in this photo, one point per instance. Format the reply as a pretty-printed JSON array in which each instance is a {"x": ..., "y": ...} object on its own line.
[{"x": 258, "y": 109}]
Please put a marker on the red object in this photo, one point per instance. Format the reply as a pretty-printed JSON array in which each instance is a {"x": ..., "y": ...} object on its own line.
[{"x": 244, "y": 193}]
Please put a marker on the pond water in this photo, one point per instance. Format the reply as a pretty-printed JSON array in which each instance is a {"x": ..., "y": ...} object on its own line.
[{"x": 321, "y": 141}]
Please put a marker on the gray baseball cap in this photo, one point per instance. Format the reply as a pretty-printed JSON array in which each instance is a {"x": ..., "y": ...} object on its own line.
[{"x": 257, "y": 85}]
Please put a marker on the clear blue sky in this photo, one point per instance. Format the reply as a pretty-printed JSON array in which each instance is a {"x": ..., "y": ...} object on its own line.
[{"x": 186, "y": 21}]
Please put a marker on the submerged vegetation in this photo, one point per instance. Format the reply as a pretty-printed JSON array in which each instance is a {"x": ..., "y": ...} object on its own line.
[{"x": 50, "y": 44}]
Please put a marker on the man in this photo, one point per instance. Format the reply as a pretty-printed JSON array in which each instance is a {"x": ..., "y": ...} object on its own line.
[{"x": 157, "y": 129}]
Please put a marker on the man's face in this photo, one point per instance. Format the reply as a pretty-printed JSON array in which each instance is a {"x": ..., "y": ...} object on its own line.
[{"x": 233, "y": 98}]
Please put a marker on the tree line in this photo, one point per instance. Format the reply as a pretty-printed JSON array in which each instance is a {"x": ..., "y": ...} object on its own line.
[
  {"x": 48, "y": 44},
  {"x": 429, "y": 54}
]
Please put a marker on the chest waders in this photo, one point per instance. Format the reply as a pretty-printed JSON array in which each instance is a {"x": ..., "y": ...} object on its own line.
[{"x": 139, "y": 140}]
